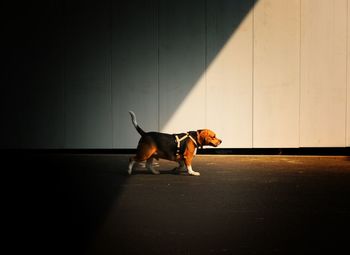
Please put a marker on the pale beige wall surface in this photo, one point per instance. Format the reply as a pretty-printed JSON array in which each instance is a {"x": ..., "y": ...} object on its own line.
[
  {"x": 276, "y": 73},
  {"x": 323, "y": 73},
  {"x": 348, "y": 81},
  {"x": 279, "y": 80},
  {"x": 229, "y": 75}
]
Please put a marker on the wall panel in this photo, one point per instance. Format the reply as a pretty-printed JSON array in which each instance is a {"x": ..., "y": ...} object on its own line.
[
  {"x": 348, "y": 81},
  {"x": 134, "y": 69},
  {"x": 181, "y": 65},
  {"x": 323, "y": 73},
  {"x": 229, "y": 71},
  {"x": 276, "y": 73},
  {"x": 88, "y": 120},
  {"x": 31, "y": 96}
]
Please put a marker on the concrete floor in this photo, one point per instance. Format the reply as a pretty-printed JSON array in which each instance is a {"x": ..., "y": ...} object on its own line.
[{"x": 86, "y": 204}]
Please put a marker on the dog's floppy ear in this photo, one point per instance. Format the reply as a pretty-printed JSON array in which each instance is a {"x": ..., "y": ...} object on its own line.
[{"x": 202, "y": 136}]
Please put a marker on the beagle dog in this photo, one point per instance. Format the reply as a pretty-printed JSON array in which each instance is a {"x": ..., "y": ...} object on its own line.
[{"x": 176, "y": 147}]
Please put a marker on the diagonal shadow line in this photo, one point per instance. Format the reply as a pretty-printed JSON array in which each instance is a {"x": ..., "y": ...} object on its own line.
[
  {"x": 177, "y": 38},
  {"x": 191, "y": 50},
  {"x": 58, "y": 195},
  {"x": 61, "y": 115},
  {"x": 155, "y": 68}
]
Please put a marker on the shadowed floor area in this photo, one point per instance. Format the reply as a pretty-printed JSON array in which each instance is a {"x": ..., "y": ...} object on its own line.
[{"x": 86, "y": 204}]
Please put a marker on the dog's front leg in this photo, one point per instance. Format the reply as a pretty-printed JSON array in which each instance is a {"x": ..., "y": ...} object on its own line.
[
  {"x": 188, "y": 163},
  {"x": 189, "y": 167},
  {"x": 191, "y": 172}
]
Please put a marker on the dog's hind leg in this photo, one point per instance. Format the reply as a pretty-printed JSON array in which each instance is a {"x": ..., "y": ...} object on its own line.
[
  {"x": 143, "y": 153},
  {"x": 149, "y": 166},
  {"x": 131, "y": 164}
]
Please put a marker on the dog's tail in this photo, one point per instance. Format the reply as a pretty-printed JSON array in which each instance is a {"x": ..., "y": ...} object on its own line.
[{"x": 133, "y": 119}]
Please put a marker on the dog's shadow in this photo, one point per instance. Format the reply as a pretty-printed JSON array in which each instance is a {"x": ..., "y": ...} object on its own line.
[
  {"x": 168, "y": 169},
  {"x": 145, "y": 171}
]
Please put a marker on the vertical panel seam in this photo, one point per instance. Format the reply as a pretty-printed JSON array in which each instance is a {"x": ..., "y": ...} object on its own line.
[
  {"x": 110, "y": 67},
  {"x": 158, "y": 58},
  {"x": 346, "y": 76},
  {"x": 205, "y": 60},
  {"x": 63, "y": 31},
  {"x": 253, "y": 71},
  {"x": 300, "y": 70}
]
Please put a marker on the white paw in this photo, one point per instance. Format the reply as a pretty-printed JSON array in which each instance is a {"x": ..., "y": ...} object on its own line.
[{"x": 194, "y": 173}]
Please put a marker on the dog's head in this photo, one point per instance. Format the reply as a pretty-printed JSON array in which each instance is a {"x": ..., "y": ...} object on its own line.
[{"x": 208, "y": 137}]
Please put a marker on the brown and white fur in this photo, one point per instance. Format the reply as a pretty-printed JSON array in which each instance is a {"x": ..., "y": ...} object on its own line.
[{"x": 161, "y": 145}]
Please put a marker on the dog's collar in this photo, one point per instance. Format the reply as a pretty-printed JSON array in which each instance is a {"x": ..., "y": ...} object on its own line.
[{"x": 179, "y": 140}]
